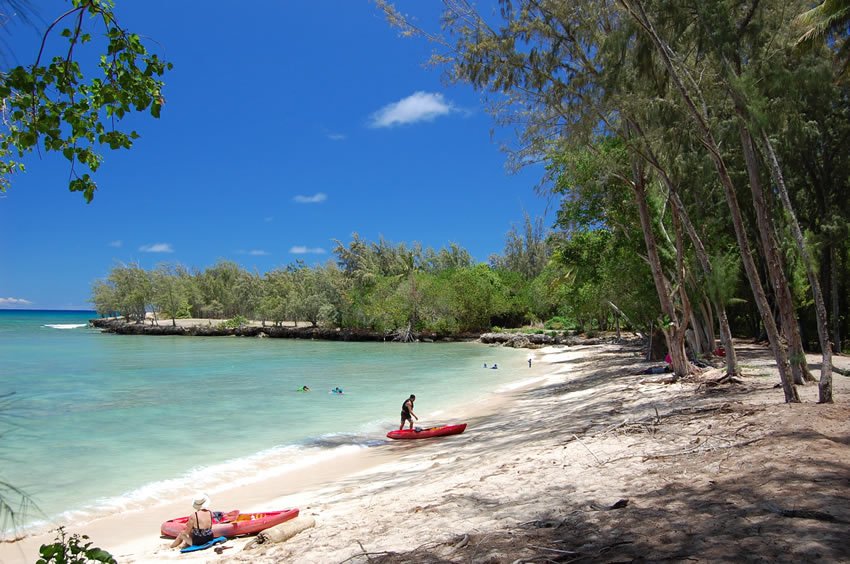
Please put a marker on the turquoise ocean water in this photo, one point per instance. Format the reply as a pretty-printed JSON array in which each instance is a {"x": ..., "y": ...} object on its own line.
[{"x": 93, "y": 423}]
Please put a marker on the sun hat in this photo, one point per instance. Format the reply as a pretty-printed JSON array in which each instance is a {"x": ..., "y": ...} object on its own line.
[{"x": 201, "y": 501}]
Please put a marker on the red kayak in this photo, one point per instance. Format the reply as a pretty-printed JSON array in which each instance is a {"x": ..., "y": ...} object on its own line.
[
  {"x": 441, "y": 431},
  {"x": 233, "y": 523}
]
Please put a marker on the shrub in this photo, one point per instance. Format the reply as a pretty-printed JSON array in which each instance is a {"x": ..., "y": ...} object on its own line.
[
  {"x": 72, "y": 550},
  {"x": 558, "y": 323},
  {"x": 234, "y": 323},
  {"x": 496, "y": 329}
]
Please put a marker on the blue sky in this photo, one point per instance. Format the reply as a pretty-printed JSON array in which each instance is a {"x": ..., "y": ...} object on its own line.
[{"x": 286, "y": 125}]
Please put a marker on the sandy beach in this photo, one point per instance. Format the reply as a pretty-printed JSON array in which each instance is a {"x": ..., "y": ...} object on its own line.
[{"x": 583, "y": 460}]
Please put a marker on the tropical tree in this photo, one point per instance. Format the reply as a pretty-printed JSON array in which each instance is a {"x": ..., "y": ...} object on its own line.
[
  {"x": 54, "y": 105},
  {"x": 170, "y": 291},
  {"x": 830, "y": 18},
  {"x": 525, "y": 252}
]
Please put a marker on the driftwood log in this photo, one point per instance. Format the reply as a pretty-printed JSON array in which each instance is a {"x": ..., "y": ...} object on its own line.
[{"x": 282, "y": 532}]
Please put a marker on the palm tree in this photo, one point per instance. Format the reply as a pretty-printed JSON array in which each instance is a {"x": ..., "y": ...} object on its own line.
[{"x": 832, "y": 17}]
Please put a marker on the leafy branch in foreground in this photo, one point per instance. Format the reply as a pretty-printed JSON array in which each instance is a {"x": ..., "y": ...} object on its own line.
[
  {"x": 72, "y": 550},
  {"x": 55, "y": 106},
  {"x": 13, "y": 501}
]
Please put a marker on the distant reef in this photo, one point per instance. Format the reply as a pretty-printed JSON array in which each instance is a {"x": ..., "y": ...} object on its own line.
[{"x": 515, "y": 340}]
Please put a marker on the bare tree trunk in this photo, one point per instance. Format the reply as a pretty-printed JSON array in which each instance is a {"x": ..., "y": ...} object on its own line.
[
  {"x": 833, "y": 290},
  {"x": 825, "y": 383},
  {"x": 674, "y": 329},
  {"x": 776, "y": 272},
  {"x": 732, "y": 368},
  {"x": 708, "y": 327},
  {"x": 635, "y": 9}
]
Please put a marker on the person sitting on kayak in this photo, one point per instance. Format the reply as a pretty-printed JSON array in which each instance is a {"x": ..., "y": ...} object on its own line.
[
  {"x": 407, "y": 412},
  {"x": 198, "y": 529}
]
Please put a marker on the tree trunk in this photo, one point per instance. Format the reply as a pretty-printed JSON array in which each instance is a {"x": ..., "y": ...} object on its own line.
[
  {"x": 708, "y": 325},
  {"x": 657, "y": 344},
  {"x": 674, "y": 329},
  {"x": 776, "y": 272},
  {"x": 636, "y": 11},
  {"x": 726, "y": 341},
  {"x": 732, "y": 368},
  {"x": 825, "y": 383},
  {"x": 834, "y": 299}
]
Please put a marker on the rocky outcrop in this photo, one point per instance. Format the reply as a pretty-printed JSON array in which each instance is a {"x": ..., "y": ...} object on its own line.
[
  {"x": 515, "y": 340},
  {"x": 121, "y": 327},
  {"x": 537, "y": 340},
  {"x": 522, "y": 340}
]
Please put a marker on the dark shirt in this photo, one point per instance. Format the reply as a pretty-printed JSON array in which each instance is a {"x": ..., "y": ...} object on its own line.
[{"x": 406, "y": 408}]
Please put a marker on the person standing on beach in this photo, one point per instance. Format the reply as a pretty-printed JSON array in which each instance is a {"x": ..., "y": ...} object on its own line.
[{"x": 407, "y": 412}]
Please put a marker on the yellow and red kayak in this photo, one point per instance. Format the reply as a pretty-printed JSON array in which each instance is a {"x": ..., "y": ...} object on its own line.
[
  {"x": 417, "y": 433},
  {"x": 233, "y": 523}
]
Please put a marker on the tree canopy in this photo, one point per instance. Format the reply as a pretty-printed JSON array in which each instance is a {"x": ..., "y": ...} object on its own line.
[{"x": 54, "y": 105}]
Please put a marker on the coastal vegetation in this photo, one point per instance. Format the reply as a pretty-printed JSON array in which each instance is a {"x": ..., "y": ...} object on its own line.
[
  {"x": 701, "y": 137},
  {"x": 376, "y": 286}
]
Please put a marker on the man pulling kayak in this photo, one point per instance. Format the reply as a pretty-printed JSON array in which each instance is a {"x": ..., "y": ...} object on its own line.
[{"x": 407, "y": 412}]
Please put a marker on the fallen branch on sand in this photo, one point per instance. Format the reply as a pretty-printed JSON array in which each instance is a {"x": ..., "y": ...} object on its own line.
[
  {"x": 803, "y": 514},
  {"x": 588, "y": 450},
  {"x": 601, "y": 551},
  {"x": 282, "y": 532},
  {"x": 701, "y": 448},
  {"x": 558, "y": 550}
]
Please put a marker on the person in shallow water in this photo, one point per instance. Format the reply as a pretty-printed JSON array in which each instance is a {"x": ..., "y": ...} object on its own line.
[
  {"x": 337, "y": 390},
  {"x": 198, "y": 529},
  {"x": 305, "y": 388},
  {"x": 407, "y": 412}
]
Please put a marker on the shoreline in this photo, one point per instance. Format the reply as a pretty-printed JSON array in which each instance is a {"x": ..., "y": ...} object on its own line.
[
  {"x": 586, "y": 458},
  {"x": 133, "y": 527},
  {"x": 214, "y": 328}
]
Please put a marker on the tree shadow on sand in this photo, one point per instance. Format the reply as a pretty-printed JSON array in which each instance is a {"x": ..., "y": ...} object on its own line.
[{"x": 704, "y": 474}]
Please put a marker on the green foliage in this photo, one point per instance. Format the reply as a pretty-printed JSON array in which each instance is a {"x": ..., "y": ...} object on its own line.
[
  {"x": 53, "y": 106},
  {"x": 525, "y": 253},
  {"x": 558, "y": 323},
  {"x": 234, "y": 323},
  {"x": 73, "y": 549},
  {"x": 634, "y": 102}
]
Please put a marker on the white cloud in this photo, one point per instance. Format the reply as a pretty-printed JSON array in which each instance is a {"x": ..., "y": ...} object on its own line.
[
  {"x": 302, "y": 250},
  {"x": 252, "y": 252},
  {"x": 419, "y": 106},
  {"x": 14, "y": 301},
  {"x": 116, "y": 244},
  {"x": 157, "y": 248},
  {"x": 317, "y": 198}
]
